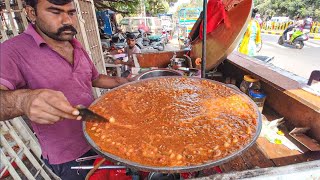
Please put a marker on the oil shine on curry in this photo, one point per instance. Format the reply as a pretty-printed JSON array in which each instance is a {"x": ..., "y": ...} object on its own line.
[{"x": 173, "y": 122}]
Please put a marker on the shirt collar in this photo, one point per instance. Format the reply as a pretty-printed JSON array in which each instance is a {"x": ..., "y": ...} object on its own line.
[
  {"x": 39, "y": 40},
  {"x": 34, "y": 34}
]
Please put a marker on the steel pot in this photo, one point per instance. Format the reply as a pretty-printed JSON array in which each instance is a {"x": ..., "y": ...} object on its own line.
[{"x": 157, "y": 73}]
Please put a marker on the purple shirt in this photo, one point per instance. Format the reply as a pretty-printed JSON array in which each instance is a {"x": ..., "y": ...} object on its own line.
[{"x": 27, "y": 62}]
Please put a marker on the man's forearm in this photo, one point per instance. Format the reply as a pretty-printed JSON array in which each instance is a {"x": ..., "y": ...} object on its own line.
[
  {"x": 11, "y": 103},
  {"x": 108, "y": 82},
  {"x": 129, "y": 63}
]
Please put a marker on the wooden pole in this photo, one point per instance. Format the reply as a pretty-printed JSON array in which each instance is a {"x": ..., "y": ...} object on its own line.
[
  {"x": 14, "y": 30},
  {"x": 3, "y": 32},
  {"x": 23, "y": 14}
]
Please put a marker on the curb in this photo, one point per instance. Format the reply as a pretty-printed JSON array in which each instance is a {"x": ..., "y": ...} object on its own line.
[
  {"x": 271, "y": 32},
  {"x": 312, "y": 36}
]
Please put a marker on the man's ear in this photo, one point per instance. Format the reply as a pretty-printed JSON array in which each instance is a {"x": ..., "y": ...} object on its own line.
[{"x": 31, "y": 13}]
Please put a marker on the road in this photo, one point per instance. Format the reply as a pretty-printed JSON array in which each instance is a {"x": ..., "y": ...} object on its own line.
[{"x": 298, "y": 61}]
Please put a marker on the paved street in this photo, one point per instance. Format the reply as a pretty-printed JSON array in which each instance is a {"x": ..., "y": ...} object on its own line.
[
  {"x": 300, "y": 62},
  {"x": 297, "y": 61}
]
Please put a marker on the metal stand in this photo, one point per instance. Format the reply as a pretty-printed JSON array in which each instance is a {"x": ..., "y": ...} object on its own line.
[{"x": 204, "y": 40}]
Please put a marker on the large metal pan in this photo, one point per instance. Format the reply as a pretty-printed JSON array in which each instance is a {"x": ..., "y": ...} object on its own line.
[{"x": 180, "y": 169}]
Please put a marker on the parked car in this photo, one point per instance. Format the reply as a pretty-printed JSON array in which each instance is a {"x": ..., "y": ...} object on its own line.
[{"x": 279, "y": 19}]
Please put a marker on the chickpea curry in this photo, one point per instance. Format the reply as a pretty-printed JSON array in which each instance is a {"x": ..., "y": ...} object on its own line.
[{"x": 168, "y": 122}]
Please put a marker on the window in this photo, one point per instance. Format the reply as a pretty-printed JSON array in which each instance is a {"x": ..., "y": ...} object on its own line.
[
  {"x": 135, "y": 22},
  {"x": 124, "y": 22}
]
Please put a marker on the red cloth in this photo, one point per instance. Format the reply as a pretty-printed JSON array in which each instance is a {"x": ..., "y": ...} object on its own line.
[
  {"x": 216, "y": 14},
  {"x": 109, "y": 174},
  {"x": 144, "y": 27}
]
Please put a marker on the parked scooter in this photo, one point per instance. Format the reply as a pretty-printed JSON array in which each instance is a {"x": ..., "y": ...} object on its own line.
[
  {"x": 157, "y": 41},
  {"x": 296, "y": 39},
  {"x": 118, "y": 40},
  {"x": 146, "y": 42}
]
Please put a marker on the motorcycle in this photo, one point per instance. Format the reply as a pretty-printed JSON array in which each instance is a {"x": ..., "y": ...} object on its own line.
[
  {"x": 157, "y": 41},
  {"x": 146, "y": 42},
  {"x": 297, "y": 38},
  {"x": 118, "y": 40}
]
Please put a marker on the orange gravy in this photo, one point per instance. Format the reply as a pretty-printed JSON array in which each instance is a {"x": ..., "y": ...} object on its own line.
[{"x": 173, "y": 122}]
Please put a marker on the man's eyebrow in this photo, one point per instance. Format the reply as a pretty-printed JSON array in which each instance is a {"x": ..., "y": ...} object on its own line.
[
  {"x": 61, "y": 10},
  {"x": 55, "y": 8},
  {"x": 72, "y": 10}
]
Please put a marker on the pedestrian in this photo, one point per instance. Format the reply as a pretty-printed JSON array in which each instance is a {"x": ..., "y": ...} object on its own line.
[
  {"x": 45, "y": 73},
  {"x": 143, "y": 27},
  {"x": 129, "y": 50},
  {"x": 252, "y": 38}
]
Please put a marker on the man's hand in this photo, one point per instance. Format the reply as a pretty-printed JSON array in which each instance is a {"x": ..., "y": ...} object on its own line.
[
  {"x": 118, "y": 61},
  {"x": 46, "y": 106}
]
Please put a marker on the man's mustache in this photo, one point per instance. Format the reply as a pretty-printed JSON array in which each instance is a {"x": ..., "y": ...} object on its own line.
[{"x": 67, "y": 28}]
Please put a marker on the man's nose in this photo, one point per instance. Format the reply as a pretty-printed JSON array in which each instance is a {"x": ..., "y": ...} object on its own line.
[{"x": 66, "y": 19}]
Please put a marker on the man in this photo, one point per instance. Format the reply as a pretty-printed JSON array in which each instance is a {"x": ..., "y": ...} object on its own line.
[
  {"x": 143, "y": 27},
  {"x": 130, "y": 49},
  {"x": 44, "y": 74},
  {"x": 297, "y": 26},
  {"x": 307, "y": 24}
]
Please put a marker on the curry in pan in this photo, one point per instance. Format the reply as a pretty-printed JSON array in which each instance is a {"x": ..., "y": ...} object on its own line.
[{"x": 173, "y": 122}]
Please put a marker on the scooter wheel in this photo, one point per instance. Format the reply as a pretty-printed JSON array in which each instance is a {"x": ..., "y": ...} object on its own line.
[
  {"x": 299, "y": 45},
  {"x": 280, "y": 41},
  {"x": 161, "y": 47}
]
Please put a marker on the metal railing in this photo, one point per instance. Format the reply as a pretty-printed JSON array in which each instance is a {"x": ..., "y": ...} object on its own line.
[
  {"x": 315, "y": 27},
  {"x": 19, "y": 145}
]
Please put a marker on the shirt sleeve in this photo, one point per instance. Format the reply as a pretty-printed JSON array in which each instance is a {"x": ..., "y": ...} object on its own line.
[
  {"x": 126, "y": 50},
  {"x": 95, "y": 73},
  {"x": 10, "y": 73},
  {"x": 137, "y": 50}
]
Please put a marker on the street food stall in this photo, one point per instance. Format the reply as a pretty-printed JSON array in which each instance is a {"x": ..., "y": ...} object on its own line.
[{"x": 188, "y": 127}]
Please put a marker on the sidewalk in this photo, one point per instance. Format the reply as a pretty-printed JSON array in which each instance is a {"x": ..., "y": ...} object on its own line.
[{"x": 315, "y": 36}]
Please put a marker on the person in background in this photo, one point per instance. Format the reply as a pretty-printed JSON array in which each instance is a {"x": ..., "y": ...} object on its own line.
[
  {"x": 130, "y": 49},
  {"x": 143, "y": 27},
  {"x": 44, "y": 74},
  {"x": 307, "y": 23},
  {"x": 297, "y": 25},
  {"x": 258, "y": 18},
  {"x": 252, "y": 37}
]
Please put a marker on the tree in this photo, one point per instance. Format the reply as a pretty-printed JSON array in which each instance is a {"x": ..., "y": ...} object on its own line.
[
  {"x": 133, "y": 7},
  {"x": 120, "y": 6},
  {"x": 291, "y": 8},
  {"x": 191, "y": 4},
  {"x": 154, "y": 7}
]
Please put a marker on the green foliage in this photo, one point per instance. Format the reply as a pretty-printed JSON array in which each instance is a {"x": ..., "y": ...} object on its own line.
[
  {"x": 154, "y": 7},
  {"x": 291, "y": 8},
  {"x": 134, "y": 7},
  {"x": 191, "y": 4},
  {"x": 121, "y": 6}
]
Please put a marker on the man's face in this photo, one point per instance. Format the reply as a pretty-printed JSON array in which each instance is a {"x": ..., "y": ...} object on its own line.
[
  {"x": 55, "y": 21},
  {"x": 131, "y": 43}
]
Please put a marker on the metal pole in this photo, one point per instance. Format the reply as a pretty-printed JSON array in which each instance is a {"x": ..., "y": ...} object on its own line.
[
  {"x": 204, "y": 45},
  {"x": 101, "y": 167}
]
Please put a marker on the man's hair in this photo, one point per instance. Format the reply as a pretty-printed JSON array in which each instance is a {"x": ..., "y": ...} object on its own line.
[
  {"x": 131, "y": 36},
  {"x": 33, "y": 3},
  {"x": 254, "y": 12}
]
